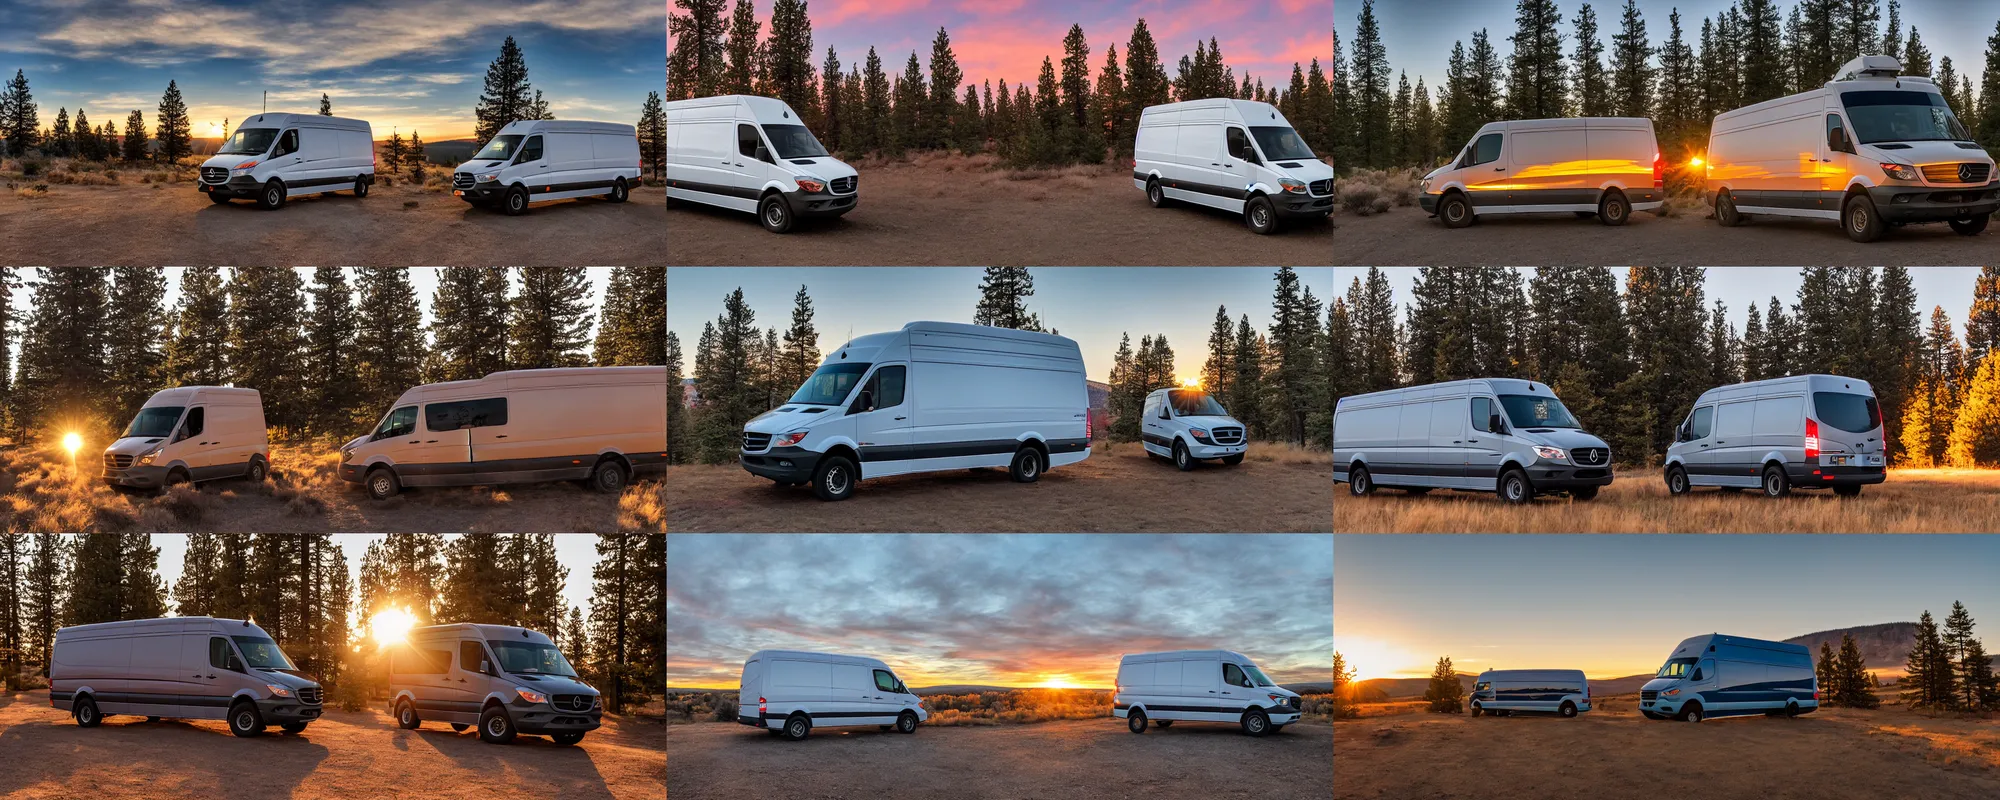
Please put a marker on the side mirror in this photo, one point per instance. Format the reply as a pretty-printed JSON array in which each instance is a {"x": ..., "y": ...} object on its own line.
[
  {"x": 1836, "y": 140},
  {"x": 1493, "y": 424},
  {"x": 485, "y": 667},
  {"x": 866, "y": 402},
  {"x": 763, "y": 153}
]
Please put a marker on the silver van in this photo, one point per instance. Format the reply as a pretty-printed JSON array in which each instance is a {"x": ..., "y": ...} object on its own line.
[
  {"x": 504, "y": 679},
  {"x": 1501, "y": 692},
  {"x": 180, "y": 667},
  {"x": 1502, "y": 435},
  {"x": 1798, "y": 432}
]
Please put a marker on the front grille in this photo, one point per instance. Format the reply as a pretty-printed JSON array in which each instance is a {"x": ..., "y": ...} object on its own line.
[
  {"x": 844, "y": 185},
  {"x": 310, "y": 695},
  {"x": 461, "y": 180},
  {"x": 755, "y": 442},
  {"x": 214, "y": 175},
  {"x": 1591, "y": 455},
  {"x": 118, "y": 461},
  {"x": 1324, "y": 186},
  {"x": 1649, "y": 695},
  {"x": 571, "y": 702},
  {"x": 1957, "y": 173},
  {"x": 1227, "y": 435}
]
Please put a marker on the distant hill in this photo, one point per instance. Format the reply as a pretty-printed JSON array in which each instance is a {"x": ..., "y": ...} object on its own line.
[
  {"x": 961, "y": 688},
  {"x": 1884, "y": 647},
  {"x": 1303, "y": 688}
]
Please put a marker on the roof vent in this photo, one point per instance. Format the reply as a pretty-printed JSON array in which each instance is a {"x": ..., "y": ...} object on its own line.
[{"x": 1866, "y": 67}]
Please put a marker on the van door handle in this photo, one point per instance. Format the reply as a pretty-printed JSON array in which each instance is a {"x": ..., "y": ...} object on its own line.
[
  {"x": 430, "y": 441},
  {"x": 1499, "y": 169},
  {"x": 902, "y": 418},
  {"x": 501, "y": 436},
  {"x": 1211, "y": 691},
  {"x": 413, "y": 441}
]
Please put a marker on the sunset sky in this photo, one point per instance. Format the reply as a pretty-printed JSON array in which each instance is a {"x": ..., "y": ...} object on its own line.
[
  {"x": 1007, "y": 39},
  {"x": 1035, "y": 610},
  {"x": 1615, "y": 605},
  {"x": 1092, "y": 305},
  {"x": 400, "y": 64}
]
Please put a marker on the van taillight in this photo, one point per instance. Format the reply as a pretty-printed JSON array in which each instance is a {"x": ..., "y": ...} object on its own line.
[
  {"x": 1659, "y": 172},
  {"x": 1812, "y": 441},
  {"x": 760, "y": 706},
  {"x": 1086, "y": 424}
]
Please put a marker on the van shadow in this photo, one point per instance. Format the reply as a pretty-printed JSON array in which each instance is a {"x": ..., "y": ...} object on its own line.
[
  {"x": 570, "y": 767},
  {"x": 1289, "y": 226},
  {"x": 729, "y": 216},
  {"x": 495, "y": 217},
  {"x": 893, "y": 485},
  {"x": 845, "y": 733},
  {"x": 52, "y": 753}
]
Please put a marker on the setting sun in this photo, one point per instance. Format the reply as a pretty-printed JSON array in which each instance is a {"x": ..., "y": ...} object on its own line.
[
  {"x": 72, "y": 442},
  {"x": 1192, "y": 383},
  {"x": 1057, "y": 682},
  {"x": 215, "y": 130},
  {"x": 390, "y": 625},
  {"x": 1370, "y": 659}
]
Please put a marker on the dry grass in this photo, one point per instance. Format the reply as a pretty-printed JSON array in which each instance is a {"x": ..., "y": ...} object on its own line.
[
  {"x": 1374, "y": 191},
  {"x": 30, "y": 192},
  {"x": 1016, "y": 707},
  {"x": 1911, "y": 501}
]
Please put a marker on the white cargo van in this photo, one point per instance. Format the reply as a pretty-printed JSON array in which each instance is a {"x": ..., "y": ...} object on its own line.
[
  {"x": 789, "y": 692},
  {"x": 1872, "y": 148},
  {"x": 754, "y": 154},
  {"x": 1502, "y": 692},
  {"x": 932, "y": 396},
  {"x": 180, "y": 667},
  {"x": 1187, "y": 425},
  {"x": 273, "y": 156},
  {"x": 1502, "y": 435},
  {"x": 190, "y": 434},
  {"x": 530, "y": 161},
  {"x": 1714, "y": 675},
  {"x": 1240, "y": 156},
  {"x": 1201, "y": 686},
  {"x": 1797, "y": 432},
  {"x": 504, "y": 679},
  {"x": 600, "y": 425},
  {"x": 1603, "y": 166}
]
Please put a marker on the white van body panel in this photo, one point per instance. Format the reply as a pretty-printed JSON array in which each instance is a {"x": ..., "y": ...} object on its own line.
[
  {"x": 1191, "y": 685},
  {"x": 831, "y": 690},
  {"x": 332, "y": 154},
  {"x": 1164, "y": 426},
  {"x": 579, "y": 159},
  {"x": 215, "y": 432},
  {"x": 712, "y": 158},
  {"x": 1551, "y": 165},
  {"x": 1531, "y": 690},
  {"x": 1185, "y": 146},
  {"x": 173, "y": 667},
  {"x": 1433, "y": 437},
  {"x": 1732, "y": 433}
]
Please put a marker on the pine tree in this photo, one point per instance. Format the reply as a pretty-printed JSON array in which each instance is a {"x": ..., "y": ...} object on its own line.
[
  {"x": 1370, "y": 81},
  {"x": 1927, "y": 677},
  {"x": 740, "y": 74},
  {"x": 60, "y": 139},
  {"x": 59, "y": 386},
  {"x": 403, "y": 571},
  {"x": 1537, "y": 77},
  {"x": 1146, "y": 81},
  {"x": 787, "y": 66},
  {"x": 388, "y": 338},
  {"x": 1916, "y": 57},
  {"x": 725, "y": 374},
  {"x": 46, "y": 585},
  {"x": 695, "y": 67},
  {"x": 115, "y": 576},
  {"x": 9, "y": 281},
  {"x": 1593, "y": 91},
  {"x": 481, "y": 584},
  {"x": 576, "y": 641},
  {"x": 329, "y": 355},
  {"x": 549, "y": 321},
  {"x": 325, "y": 105},
  {"x": 875, "y": 104},
  {"x": 507, "y": 96},
  {"x": 1987, "y": 113},
  {"x": 13, "y": 558},
  {"x": 834, "y": 114},
  {"x": 135, "y": 136},
  {"x": 801, "y": 351},
  {"x": 1003, "y": 295},
  {"x": 1444, "y": 693},
  {"x": 132, "y": 348},
  {"x": 652, "y": 132},
  {"x": 1294, "y": 341},
  {"x": 1120, "y": 128},
  {"x": 627, "y": 613},
  {"x": 1632, "y": 75},
  {"x": 197, "y": 590},
  {"x": 1249, "y": 384},
  {"x": 632, "y": 326},
  {"x": 1975, "y": 430},
  {"x": 20, "y": 124},
  {"x": 1826, "y": 670},
  {"x": 941, "y": 107},
  {"x": 395, "y": 149},
  {"x": 173, "y": 129},
  {"x": 1220, "y": 368},
  {"x": 1857, "y": 684},
  {"x": 1763, "y": 72},
  {"x": 678, "y": 451},
  {"x": 415, "y": 159},
  {"x": 468, "y": 324},
  {"x": 1958, "y": 642},
  {"x": 267, "y": 307}
]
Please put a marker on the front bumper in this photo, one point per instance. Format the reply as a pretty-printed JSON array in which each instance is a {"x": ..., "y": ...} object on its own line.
[
  {"x": 1564, "y": 476},
  {"x": 1924, "y": 204},
  {"x": 283, "y": 710},
  {"x": 1429, "y": 203},
  {"x": 136, "y": 476},
  {"x": 353, "y": 472},
  {"x": 238, "y": 186},
  {"x": 481, "y": 192},
  {"x": 782, "y": 464},
  {"x": 1284, "y": 715},
  {"x": 1302, "y": 205},
  {"x": 1217, "y": 450},
  {"x": 545, "y": 719},
  {"x": 822, "y": 204}
]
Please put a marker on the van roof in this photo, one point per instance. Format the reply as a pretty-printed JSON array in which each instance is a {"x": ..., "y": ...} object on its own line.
[
  {"x": 1248, "y": 112},
  {"x": 182, "y": 395},
  {"x": 1434, "y": 391},
  {"x": 864, "y": 348},
  {"x": 1804, "y": 383},
  {"x": 482, "y": 631},
  {"x": 809, "y": 655},
  {"x": 281, "y": 119},
  {"x": 1181, "y": 655},
  {"x": 199, "y": 623},
  {"x": 537, "y": 378},
  {"x": 1695, "y": 646},
  {"x": 1586, "y": 123},
  {"x": 1532, "y": 673},
  {"x": 526, "y": 126}
]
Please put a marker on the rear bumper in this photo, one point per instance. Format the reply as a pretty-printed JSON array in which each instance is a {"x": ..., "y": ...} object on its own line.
[
  {"x": 1568, "y": 477},
  {"x": 135, "y": 477},
  {"x": 1804, "y": 477},
  {"x": 783, "y": 464},
  {"x": 1921, "y": 204}
]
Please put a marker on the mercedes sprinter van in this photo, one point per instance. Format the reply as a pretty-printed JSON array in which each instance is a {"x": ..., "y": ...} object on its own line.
[
  {"x": 1200, "y": 686},
  {"x": 754, "y": 154},
  {"x": 190, "y": 434},
  {"x": 180, "y": 667},
  {"x": 529, "y": 161},
  {"x": 789, "y": 692},
  {"x": 599, "y": 425},
  {"x": 1240, "y": 156},
  {"x": 1872, "y": 148},
  {"x": 1798, "y": 432},
  {"x": 1724, "y": 676},
  {"x": 933, "y": 396},
  {"x": 504, "y": 679},
  {"x": 1188, "y": 425},
  {"x": 1608, "y": 167},
  {"x": 1500, "y": 435},
  {"x": 273, "y": 156},
  {"x": 1501, "y": 692}
]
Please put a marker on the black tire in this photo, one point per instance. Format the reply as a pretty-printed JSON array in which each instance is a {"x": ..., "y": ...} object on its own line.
[
  {"x": 1182, "y": 458},
  {"x": 1614, "y": 209},
  {"x": 85, "y": 712},
  {"x": 382, "y": 483},
  {"x": 152, "y": 719},
  {"x": 272, "y": 196},
  {"x": 619, "y": 194},
  {"x": 906, "y": 722},
  {"x": 218, "y": 198},
  {"x": 1725, "y": 210},
  {"x": 1568, "y": 709},
  {"x": 1027, "y": 465},
  {"x": 258, "y": 471},
  {"x": 566, "y": 739},
  {"x": 1848, "y": 490},
  {"x": 1973, "y": 226},
  {"x": 1776, "y": 482},
  {"x": 1359, "y": 482},
  {"x": 495, "y": 727},
  {"x": 609, "y": 477},
  {"x": 1792, "y": 710},
  {"x": 245, "y": 720},
  {"x": 515, "y": 203},
  {"x": 361, "y": 184},
  {"x": 1690, "y": 713},
  {"x": 774, "y": 213},
  {"x": 407, "y": 719},
  {"x": 175, "y": 477},
  {"x": 1135, "y": 721},
  {"x": 834, "y": 478},
  {"x": 1477, "y": 710},
  {"x": 1677, "y": 481},
  {"x": 293, "y": 727},
  {"x": 1154, "y": 194},
  {"x": 459, "y": 727},
  {"x": 1233, "y": 460},
  {"x": 1584, "y": 494},
  {"x": 1164, "y": 723},
  {"x": 1255, "y": 723},
  {"x": 797, "y": 727},
  {"x": 1261, "y": 216},
  {"x": 1455, "y": 210},
  {"x": 1515, "y": 488},
  {"x": 1859, "y": 219}
]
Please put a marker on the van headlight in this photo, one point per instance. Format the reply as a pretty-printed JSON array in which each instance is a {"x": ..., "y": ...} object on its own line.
[
  {"x": 788, "y": 439},
  {"x": 243, "y": 167},
  {"x": 487, "y": 178},
  {"x": 1198, "y": 433},
  {"x": 278, "y": 691},
  {"x": 531, "y": 696},
  {"x": 147, "y": 457},
  {"x": 1901, "y": 172},
  {"x": 1551, "y": 453},
  {"x": 810, "y": 185},
  {"x": 1424, "y": 186},
  {"x": 1292, "y": 185}
]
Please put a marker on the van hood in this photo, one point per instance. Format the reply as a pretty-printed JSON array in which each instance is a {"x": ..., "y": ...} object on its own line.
[
  {"x": 1305, "y": 169},
  {"x": 1432, "y": 175},
  {"x": 551, "y": 684},
  {"x": 1659, "y": 684},
  {"x": 133, "y": 445},
  {"x": 285, "y": 679},
  {"x": 484, "y": 163},
  {"x": 1278, "y": 690},
  {"x": 231, "y": 160},
  {"x": 826, "y": 167},
  {"x": 789, "y": 417},
  {"x": 1565, "y": 438},
  {"x": 1928, "y": 152},
  {"x": 1211, "y": 422}
]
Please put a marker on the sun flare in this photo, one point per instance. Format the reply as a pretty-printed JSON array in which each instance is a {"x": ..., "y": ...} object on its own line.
[
  {"x": 1057, "y": 682},
  {"x": 1370, "y": 659},
  {"x": 390, "y": 625}
]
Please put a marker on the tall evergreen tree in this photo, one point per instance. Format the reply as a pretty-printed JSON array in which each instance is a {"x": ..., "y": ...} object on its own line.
[
  {"x": 388, "y": 338},
  {"x": 63, "y": 363},
  {"x": 695, "y": 67},
  {"x": 786, "y": 67},
  {"x": 468, "y": 324},
  {"x": 173, "y": 129},
  {"x": 1444, "y": 693},
  {"x": 266, "y": 339},
  {"x": 627, "y": 611},
  {"x": 329, "y": 356},
  {"x": 1857, "y": 684},
  {"x": 20, "y": 123},
  {"x": 132, "y": 348},
  {"x": 549, "y": 320},
  {"x": 652, "y": 132},
  {"x": 507, "y": 96},
  {"x": 801, "y": 351},
  {"x": 115, "y": 576},
  {"x": 1538, "y": 79},
  {"x": 1632, "y": 75},
  {"x": 135, "y": 136},
  {"x": 632, "y": 326},
  {"x": 941, "y": 107},
  {"x": 1003, "y": 296},
  {"x": 1370, "y": 81},
  {"x": 1927, "y": 676},
  {"x": 1593, "y": 91}
]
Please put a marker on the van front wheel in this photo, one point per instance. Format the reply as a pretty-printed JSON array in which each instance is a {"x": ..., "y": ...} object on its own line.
[
  {"x": 406, "y": 717},
  {"x": 495, "y": 727},
  {"x": 775, "y": 214},
  {"x": 382, "y": 483},
  {"x": 1859, "y": 218},
  {"x": 273, "y": 196},
  {"x": 516, "y": 202},
  {"x": 1515, "y": 488},
  {"x": 906, "y": 723},
  {"x": 1136, "y": 721},
  {"x": 1261, "y": 216},
  {"x": 1677, "y": 481},
  {"x": 833, "y": 479},
  {"x": 1027, "y": 466},
  {"x": 1181, "y": 457},
  {"x": 245, "y": 721},
  {"x": 608, "y": 477},
  {"x": 1614, "y": 210},
  {"x": 1255, "y": 723},
  {"x": 1691, "y": 713},
  {"x": 1456, "y": 211}
]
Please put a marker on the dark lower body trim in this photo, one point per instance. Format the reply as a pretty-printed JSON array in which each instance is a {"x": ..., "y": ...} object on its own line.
[
  {"x": 1913, "y": 204},
  {"x": 739, "y": 192},
  {"x": 958, "y": 449},
  {"x": 511, "y": 470},
  {"x": 1230, "y": 192},
  {"x": 1555, "y": 197}
]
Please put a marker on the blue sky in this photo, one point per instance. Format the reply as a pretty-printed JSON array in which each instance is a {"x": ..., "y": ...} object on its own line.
[
  {"x": 1011, "y": 610},
  {"x": 401, "y": 64},
  {"x": 1419, "y": 34},
  {"x": 1092, "y": 305},
  {"x": 1615, "y": 605}
]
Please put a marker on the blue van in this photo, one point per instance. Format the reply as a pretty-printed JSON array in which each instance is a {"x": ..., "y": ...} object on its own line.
[
  {"x": 1501, "y": 692},
  {"x": 1726, "y": 676}
]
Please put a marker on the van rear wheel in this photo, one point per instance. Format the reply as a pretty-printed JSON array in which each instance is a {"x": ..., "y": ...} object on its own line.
[
  {"x": 1261, "y": 216},
  {"x": 1359, "y": 482},
  {"x": 1614, "y": 209},
  {"x": 1567, "y": 710},
  {"x": 619, "y": 192},
  {"x": 258, "y": 470},
  {"x": 1725, "y": 210},
  {"x": 608, "y": 476},
  {"x": 1136, "y": 721},
  {"x": 406, "y": 717},
  {"x": 383, "y": 484},
  {"x": 245, "y": 721},
  {"x": 1154, "y": 194},
  {"x": 361, "y": 184},
  {"x": 797, "y": 727},
  {"x": 495, "y": 727},
  {"x": 834, "y": 478},
  {"x": 1027, "y": 466},
  {"x": 1776, "y": 483},
  {"x": 86, "y": 713}
]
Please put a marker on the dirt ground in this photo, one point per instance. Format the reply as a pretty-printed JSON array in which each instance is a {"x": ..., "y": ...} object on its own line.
[
  {"x": 1066, "y": 760},
  {"x": 1409, "y": 237},
  {"x": 1911, "y": 501},
  {"x": 1612, "y": 752},
  {"x": 952, "y": 212},
  {"x": 345, "y": 755},
  {"x": 1119, "y": 491},
  {"x": 154, "y": 224}
]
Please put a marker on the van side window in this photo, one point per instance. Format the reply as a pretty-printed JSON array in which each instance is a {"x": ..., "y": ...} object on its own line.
[
  {"x": 1484, "y": 151},
  {"x": 1696, "y": 676},
  {"x": 1702, "y": 425},
  {"x": 1152, "y": 406},
  {"x": 531, "y": 151},
  {"x": 1833, "y": 123},
  {"x": 218, "y": 652},
  {"x": 889, "y": 386},
  {"x": 192, "y": 427},
  {"x": 433, "y": 662},
  {"x": 287, "y": 143},
  {"x": 400, "y": 422},
  {"x": 885, "y": 681},
  {"x": 1233, "y": 675},
  {"x": 470, "y": 656},
  {"x": 466, "y": 414},
  {"x": 1482, "y": 414},
  {"x": 747, "y": 141},
  {"x": 1239, "y": 145}
]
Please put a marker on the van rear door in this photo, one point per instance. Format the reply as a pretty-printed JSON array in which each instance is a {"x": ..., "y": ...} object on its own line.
[
  {"x": 748, "y": 689},
  {"x": 1850, "y": 429}
]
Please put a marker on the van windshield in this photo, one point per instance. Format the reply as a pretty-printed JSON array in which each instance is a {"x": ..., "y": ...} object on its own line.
[
  {"x": 1854, "y": 413},
  {"x": 1280, "y": 143},
  {"x": 794, "y": 141},
  {"x": 500, "y": 149},
  {"x": 1195, "y": 403},
  {"x": 1676, "y": 668},
  {"x": 1902, "y": 116},
  {"x": 248, "y": 142},
  {"x": 262, "y": 653},
  {"x": 1527, "y": 411},
  {"x": 530, "y": 658},
  {"x": 1256, "y": 675},
  {"x": 829, "y": 384},
  {"x": 155, "y": 422}
]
